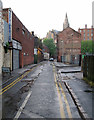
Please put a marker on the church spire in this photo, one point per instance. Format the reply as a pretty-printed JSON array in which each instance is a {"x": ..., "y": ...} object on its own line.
[{"x": 66, "y": 23}]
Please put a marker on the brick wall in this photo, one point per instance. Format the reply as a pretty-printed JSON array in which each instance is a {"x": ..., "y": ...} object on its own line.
[
  {"x": 69, "y": 43},
  {"x": 87, "y": 33},
  {"x": 21, "y": 34},
  {"x": 45, "y": 49}
]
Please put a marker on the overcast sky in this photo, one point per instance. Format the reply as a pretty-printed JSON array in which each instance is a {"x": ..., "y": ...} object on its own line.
[{"x": 41, "y": 16}]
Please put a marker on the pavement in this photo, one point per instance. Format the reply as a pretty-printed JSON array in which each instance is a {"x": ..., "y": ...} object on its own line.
[
  {"x": 17, "y": 72},
  {"x": 77, "y": 85}
]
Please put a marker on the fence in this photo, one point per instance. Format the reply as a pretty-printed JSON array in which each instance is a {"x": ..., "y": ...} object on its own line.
[{"x": 88, "y": 67}]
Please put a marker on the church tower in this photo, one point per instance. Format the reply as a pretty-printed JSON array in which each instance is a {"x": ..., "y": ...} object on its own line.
[{"x": 66, "y": 23}]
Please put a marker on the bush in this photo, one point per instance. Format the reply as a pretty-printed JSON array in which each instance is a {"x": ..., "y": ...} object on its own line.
[{"x": 87, "y": 46}]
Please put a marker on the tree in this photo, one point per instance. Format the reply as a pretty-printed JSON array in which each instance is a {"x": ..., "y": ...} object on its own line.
[
  {"x": 87, "y": 46},
  {"x": 51, "y": 46}
]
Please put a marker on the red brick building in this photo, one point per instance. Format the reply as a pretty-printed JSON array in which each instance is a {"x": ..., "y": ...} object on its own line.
[
  {"x": 20, "y": 38},
  {"x": 87, "y": 33},
  {"x": 45, "y": 49},
  {"x": 68, "y": 44}
]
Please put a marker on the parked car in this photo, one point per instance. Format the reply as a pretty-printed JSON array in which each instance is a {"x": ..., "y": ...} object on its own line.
[{"x": 51, "y": 59}]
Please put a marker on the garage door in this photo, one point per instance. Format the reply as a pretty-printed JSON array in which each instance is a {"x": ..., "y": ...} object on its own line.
[{"x": 15, "y": 59}]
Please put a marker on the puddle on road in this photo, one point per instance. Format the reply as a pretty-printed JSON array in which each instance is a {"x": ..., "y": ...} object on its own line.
[
  {"x": 89, "y": 91},
  {"x": 27, "y": 86}
]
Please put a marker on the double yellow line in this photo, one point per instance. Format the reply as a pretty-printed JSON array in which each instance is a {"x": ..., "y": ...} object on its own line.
[
  {"x": 13, "y": 83},
  {"x": 58, "y": 84}
]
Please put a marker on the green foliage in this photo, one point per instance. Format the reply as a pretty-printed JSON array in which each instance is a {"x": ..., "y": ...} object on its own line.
[
  {"x": 7, "y": 44},
  {"x": 91, "y": 83},
  {"x": 6, "y": 47},
  {"x": 87, "y": 46},
  {"x": 50, "y": 44}
]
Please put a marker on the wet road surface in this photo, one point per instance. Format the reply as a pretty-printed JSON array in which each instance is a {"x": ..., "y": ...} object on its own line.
[
  {"x": 80, "y": 88},
  {"x": 40, "y": 94}
]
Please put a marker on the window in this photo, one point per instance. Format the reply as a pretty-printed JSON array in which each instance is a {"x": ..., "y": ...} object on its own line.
[
  {"x": 24, "y": 54},
  {"x": 84, "y": 31},
  {"x": 80, "y": 30},
  {"x": 88, "y": 30},
  {"x": 91, "y": 34},
  {"x": 17, "y": 29},
  {"x": 28, "y": 34},
  {"x": 23, "y": 31},
  {"x": 84, "y": 38},
  {"x": 88, "y": 38},
  {"x": 88, "y": 34},
  {"x": 0, "y": 14}
]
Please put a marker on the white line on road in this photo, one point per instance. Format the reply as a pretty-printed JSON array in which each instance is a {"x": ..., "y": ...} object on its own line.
[{"x": 23, "y": 105}]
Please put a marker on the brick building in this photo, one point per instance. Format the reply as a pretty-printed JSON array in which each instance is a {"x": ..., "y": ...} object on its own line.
[
  {"x": 87, "y": 33},
  {"x": 52, "y": 34},
  {"x": 68, "y": 44},
  {"x": 20, "y": 39},
  {"x": 45, "y": 49}
]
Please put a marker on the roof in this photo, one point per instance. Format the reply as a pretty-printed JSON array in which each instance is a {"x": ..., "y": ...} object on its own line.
[{"x": 71, "y": 29}]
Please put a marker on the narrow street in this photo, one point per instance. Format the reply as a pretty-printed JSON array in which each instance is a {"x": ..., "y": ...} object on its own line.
[
  {"x": 41, "y": 92},
  {"x": 46, "y": 61}
]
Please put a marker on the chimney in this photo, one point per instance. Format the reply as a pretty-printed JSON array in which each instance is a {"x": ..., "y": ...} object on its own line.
[
  {"x": 92, "y": 26},
  {"x": 33, "y": 33},
  {"x": 85, "y": 25}
]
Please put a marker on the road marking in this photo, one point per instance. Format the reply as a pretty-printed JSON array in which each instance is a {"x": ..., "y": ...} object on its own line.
[
  {"x": 11, "y": 83},
  {"x": 14, "y": 82},
  {"x": 67, "y": 105},
  {"x": 22, "y": 106},
  {"x": 60, "y": 100}
]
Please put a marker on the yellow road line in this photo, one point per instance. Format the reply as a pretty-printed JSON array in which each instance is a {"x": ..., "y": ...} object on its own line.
[
  {"x": 13, "y": 83},
  {"x": 67, "y": 105},
  {"x": 60, "y": 100},
  {"x": 10, "y": 86}
]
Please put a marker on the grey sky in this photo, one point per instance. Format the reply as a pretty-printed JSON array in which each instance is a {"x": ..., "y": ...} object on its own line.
[{"x": 41, "y": 16}]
